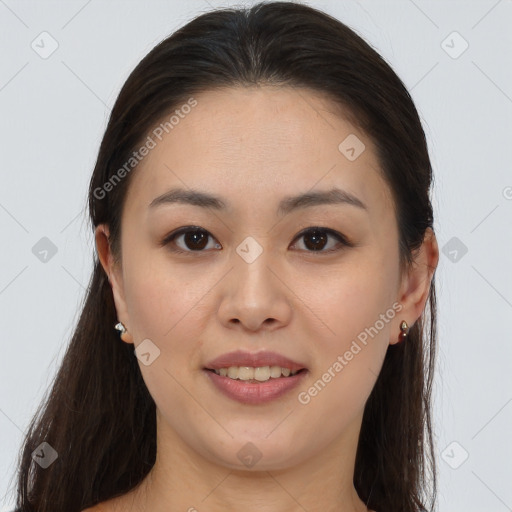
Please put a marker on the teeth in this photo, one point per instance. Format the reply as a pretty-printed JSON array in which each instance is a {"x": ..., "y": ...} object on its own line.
[{"x": 261, "y": 373}]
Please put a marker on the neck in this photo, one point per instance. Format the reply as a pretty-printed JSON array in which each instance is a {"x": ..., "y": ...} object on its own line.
[{"x": 183, "y": 479}]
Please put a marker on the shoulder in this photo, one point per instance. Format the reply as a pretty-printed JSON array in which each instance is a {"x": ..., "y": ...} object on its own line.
[
  {"x": 100, "y": 507},
  {"x": 116, "y": 504},
  {"x": 110, "y": 505}
]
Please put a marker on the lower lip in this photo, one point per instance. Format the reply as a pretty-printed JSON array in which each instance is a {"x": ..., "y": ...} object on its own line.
[{"x": 252, "y": 392}]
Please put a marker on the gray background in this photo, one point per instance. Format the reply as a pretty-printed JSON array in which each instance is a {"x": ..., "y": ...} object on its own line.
[{"x": 53, "y": 114}]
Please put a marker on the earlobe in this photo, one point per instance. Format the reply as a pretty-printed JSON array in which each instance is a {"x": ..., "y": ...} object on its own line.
[{"x": 124, "y": 334}]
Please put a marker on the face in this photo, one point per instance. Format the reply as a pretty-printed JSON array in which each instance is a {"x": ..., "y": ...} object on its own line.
[{"x": 248, "y": 275}]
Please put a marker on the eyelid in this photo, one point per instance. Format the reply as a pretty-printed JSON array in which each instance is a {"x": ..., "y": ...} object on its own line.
[
  {"x": 177, "y": 232},
  {"x": 181, "y": 231},
  {"x": 330, "y": 232},
  {"x": 341, "y": 237}
]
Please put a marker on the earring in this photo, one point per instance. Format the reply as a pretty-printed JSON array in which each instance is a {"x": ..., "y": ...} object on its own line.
[
  {"x": 120, "y": 327},
  {"x": 404, "y": 330}
]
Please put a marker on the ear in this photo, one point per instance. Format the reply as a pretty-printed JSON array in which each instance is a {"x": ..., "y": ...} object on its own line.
[
  {"x": 115, "y": 277},
  {"x": 416, "y": 281}
]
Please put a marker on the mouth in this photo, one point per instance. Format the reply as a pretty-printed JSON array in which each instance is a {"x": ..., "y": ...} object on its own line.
[
  {"x": 254, "y": 378},
  {"x": 255, "y": 375},
  {"x": 252, "y": 391},
  {"x": 259, "y": 363}
]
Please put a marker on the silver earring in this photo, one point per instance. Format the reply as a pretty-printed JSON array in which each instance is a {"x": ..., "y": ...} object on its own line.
[{"x": 120, "y": 327}]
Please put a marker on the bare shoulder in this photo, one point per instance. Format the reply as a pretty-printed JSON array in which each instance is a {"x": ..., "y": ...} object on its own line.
[
  {"x": 100, "y": 507},
  {"x": 111, "y": 505}
]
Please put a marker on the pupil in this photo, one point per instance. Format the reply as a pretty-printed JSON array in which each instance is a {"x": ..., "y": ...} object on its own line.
[
  {"x": 315, "y": 235},
  {"x": 193, "y": 237},
  {"x": 198, "y": 240}
]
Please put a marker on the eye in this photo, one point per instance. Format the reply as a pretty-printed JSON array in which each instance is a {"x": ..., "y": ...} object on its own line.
[
  {"x": 316, "y": 238},
  {"x": 195, "y": 239}
]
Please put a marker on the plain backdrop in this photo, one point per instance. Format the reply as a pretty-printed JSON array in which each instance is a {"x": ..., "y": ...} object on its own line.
[{"x": 454, "y": 57}]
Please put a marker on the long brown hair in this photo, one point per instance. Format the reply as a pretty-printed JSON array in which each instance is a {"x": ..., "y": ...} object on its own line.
[{"x": 98, "y": 415}]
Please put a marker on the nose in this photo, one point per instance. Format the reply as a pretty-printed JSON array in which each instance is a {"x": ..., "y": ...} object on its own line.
[{"x": 255, "y": 295}]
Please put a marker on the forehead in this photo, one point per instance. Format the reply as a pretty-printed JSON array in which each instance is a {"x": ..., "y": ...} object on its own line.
[{"x": 257, "y": 144}]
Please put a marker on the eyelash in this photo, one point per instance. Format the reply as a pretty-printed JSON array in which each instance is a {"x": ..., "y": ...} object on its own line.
[{"x": 187, "y": 229}]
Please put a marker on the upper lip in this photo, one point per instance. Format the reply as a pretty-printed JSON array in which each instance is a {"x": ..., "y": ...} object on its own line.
[{"x": 258, "y": 359}]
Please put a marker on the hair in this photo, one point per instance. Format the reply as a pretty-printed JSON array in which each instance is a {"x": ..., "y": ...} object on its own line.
[{"x": 98, "y": 414}]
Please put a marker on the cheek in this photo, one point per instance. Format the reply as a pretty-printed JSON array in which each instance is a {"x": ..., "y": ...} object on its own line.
[
  {"x": 163, "y": 302},
  {"x": 164, "y": 306},
  {"x": 356, "y": 308},
  {"x": 353, "y": 303}
]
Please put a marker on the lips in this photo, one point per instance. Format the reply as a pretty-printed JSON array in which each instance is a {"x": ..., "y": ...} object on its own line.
[
  {"x": 255, "y": 360},
  {"x": 257, "y": 393}
]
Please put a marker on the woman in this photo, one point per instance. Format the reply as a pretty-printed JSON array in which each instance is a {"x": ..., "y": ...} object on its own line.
[{"x": 265, "y": 250}]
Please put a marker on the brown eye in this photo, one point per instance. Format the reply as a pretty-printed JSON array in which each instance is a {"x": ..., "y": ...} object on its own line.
[
  {"x": 316, "y": 239},
  {"x": 195, "y": 239}
]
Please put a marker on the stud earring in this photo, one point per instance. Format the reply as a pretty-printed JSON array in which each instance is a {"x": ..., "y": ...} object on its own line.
[
  {"x": 120, "y": 327},
  {"x": 404, "y": 330}
]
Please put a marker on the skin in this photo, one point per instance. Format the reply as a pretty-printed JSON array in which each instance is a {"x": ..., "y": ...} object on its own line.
[{"x": 253, "y": 147}]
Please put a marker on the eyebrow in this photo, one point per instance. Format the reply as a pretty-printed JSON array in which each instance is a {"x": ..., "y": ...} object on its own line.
[{"x": 286, "y": 206}]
